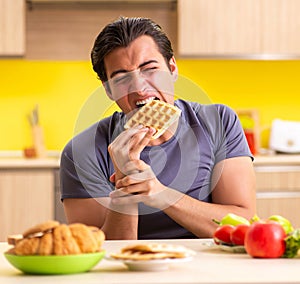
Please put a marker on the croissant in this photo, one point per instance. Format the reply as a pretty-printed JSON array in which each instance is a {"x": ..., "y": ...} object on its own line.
[{"x": 53, "y": 238}]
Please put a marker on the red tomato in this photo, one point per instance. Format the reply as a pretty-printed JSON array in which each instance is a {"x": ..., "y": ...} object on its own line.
[
  {"x": 237, "y": 236},
  {"x": 265, "y": 240},
  {"x": 222, "y": 234}
]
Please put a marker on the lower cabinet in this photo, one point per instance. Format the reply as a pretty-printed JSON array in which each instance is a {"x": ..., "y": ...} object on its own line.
[
  {"x": 26, "y": 199},
  {"x": 278, "y": 191}
]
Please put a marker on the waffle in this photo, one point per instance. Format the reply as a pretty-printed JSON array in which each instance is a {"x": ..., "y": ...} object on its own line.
[
  {"x": 155, "y": 114},
  {"x": 149, "y": 251}
]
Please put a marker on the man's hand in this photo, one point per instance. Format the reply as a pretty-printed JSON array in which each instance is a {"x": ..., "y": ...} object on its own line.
[
  {"x": 143, "y": 186},
  {"x": 127, "y": 147}
]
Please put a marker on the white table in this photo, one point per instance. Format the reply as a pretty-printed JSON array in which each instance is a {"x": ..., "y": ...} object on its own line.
[{"x": 210, "y": 265}]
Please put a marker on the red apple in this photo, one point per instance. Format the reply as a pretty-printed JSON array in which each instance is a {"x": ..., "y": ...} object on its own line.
[{"x": 265, "y": 240}]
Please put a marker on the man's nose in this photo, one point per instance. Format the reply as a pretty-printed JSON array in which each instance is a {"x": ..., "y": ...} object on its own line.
[{"x": 137, "y": 83}]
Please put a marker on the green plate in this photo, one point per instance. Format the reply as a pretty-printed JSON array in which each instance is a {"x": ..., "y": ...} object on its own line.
[{"x": 55, "y": 264}]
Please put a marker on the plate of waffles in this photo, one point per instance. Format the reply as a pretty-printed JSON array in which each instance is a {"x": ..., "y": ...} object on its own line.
[
  {"x": 152, "y": 256},
  {"x": 231, "y": 248}
]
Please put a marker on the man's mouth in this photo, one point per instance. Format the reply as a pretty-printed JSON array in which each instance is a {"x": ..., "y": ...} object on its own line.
[{"x": 143, "y": 102}]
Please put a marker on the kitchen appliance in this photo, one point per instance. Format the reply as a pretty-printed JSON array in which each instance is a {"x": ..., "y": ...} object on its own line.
[{"x": 285, "y": 136}]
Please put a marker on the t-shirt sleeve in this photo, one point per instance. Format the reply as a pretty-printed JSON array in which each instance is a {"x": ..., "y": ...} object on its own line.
[
  {"x": 231, "y": 137},
  {"x": 81, "y": 175}
]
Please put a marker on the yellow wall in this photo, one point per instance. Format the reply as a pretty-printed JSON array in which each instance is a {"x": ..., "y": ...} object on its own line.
[{"x": 68, "y": 91}]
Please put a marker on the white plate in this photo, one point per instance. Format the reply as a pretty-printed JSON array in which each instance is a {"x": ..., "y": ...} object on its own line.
[
  {"x": 151, "y": 265},
  {"x": 235, "y": 249}
]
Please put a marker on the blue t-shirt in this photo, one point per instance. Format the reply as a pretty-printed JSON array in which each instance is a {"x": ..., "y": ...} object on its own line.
[{"x": 206, "y": 134}]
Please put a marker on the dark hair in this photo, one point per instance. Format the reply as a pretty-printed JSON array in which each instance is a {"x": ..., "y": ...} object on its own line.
[{"x": 121, "y": 33}]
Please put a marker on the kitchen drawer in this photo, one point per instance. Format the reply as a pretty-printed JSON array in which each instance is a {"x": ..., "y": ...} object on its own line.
[
  {"x": 277, "y": 178},
  {"x": 286, "y": 205},
  {"x": 26, "y": 199}
]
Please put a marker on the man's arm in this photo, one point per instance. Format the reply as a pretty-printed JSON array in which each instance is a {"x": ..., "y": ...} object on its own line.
[
  {"x": 234, "y": 192},
  {"x": 95, "y": 212},
  {"x": 117, "y": 221}
]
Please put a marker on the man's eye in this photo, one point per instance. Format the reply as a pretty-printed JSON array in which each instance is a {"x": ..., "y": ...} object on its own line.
[
  {"x": 121, "y": 79},
  {"x": 149, "y": 70}
]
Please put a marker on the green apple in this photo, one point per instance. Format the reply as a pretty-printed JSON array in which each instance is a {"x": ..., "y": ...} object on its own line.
[
  {"x": 232, "y": 219},
  {"x": 285, "y": 223}
]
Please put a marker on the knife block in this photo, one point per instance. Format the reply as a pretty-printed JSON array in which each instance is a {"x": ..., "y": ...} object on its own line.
[{"x": 38, "y": 141}]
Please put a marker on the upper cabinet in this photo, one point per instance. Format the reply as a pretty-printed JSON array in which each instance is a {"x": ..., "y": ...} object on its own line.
[
  {"x": 66, "y": 30},
  {"x": 238, "y": 28},
  {"x": 12, "y": 27}
]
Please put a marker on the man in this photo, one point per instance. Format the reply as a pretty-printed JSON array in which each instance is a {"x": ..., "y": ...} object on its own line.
[{"x": 135, "y": 187}]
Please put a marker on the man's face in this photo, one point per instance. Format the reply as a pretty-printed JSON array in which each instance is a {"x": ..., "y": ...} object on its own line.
[{"x": 139, "y": 73}]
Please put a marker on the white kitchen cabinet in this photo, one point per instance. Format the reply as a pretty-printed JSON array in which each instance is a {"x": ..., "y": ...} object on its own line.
[
  {"x": 26, "y": 199},
  {"x": 238, "y": 28},
  {"x": 12, "y": 27},
  {"x": 278, "y": 191}
]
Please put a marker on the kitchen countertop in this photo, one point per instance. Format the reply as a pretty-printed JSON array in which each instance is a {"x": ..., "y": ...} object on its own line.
[
  {"x": 16, "y": 160},
  {"x": 13, "y": 163},
  {"x": 28, "y": 163},
  {"x": 277, "y": 159},
  {"x": 209, "y": 265}
]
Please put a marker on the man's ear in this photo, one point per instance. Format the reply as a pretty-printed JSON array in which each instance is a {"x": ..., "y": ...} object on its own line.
[
  {"x": 107, "y": 89},
  {"x": 173, "y": 68}
]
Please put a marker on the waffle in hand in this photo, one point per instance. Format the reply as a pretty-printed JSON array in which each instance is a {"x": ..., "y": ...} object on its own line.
[{"x": 156, "y": 114}]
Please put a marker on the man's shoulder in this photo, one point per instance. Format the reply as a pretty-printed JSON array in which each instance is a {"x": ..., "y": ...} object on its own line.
[
  {"x": 221, "y": 110},
  {"x": 103, "y": 129}
]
